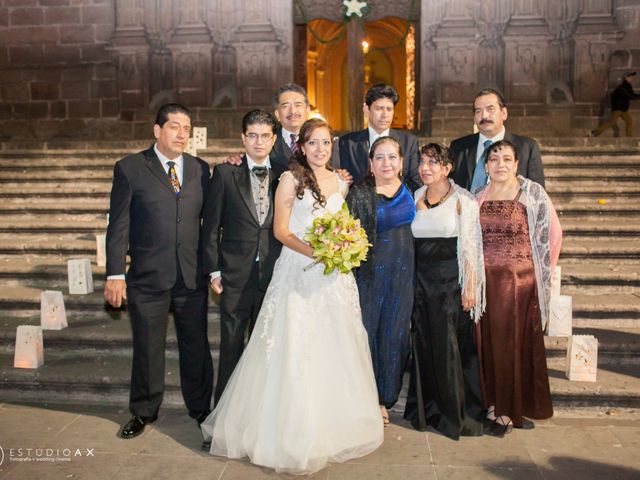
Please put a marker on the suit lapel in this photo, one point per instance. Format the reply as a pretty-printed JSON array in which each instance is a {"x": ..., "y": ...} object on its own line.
[
  {"x": 273, "y": 183},
  {"x": 190, "y": 172},
  {"x": 154, "y": 164},
  {"x": 242, "y": 178},
  {"x": 361, "y": 153},
  {"x": 472, "y": 152}
]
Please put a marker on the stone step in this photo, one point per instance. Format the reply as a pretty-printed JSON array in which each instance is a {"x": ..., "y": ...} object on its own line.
[
  {"x": 589, "y": 249},
  {"x": 48, "y": 224},
  {"x": 52, "y": 206},
  {"x": 91, "y": 332},
  {"x": 67, "y": 244},
  {"x": 93, "y": 377},
  {"x": 26, "y": 300},
  {"x": 52, "y": 187},
  {"x": 597, "y": 273}
]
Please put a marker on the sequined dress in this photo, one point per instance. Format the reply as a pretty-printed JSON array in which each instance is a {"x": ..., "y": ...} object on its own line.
[
  {"x": 509, "y": 334},
  {"x": 303, "y": 392},
  {"x": 386, "y": 292}
]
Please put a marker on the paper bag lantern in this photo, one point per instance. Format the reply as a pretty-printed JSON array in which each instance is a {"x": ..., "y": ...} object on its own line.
[
  {"x": 556, "y": 280},
  {"x": 582, "y": 358},
  {"x": 101, "y": 250},
  {"x": 29, "y": 350},
  {"x": 190, "y": 148},
  {"x": 80, "y": 278},
  {"x": 560, "y": 316},
  {"x": 52, "y": 313},
  {"x": 199, "y": 139}
]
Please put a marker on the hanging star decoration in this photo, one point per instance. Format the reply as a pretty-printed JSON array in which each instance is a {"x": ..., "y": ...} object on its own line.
[{"x": 355, "y": 7}]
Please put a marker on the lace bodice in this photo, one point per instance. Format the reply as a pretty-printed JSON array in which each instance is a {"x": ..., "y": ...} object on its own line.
[
  {"x": 305, "y": 210},
  {"x": 505, "y": 232}
]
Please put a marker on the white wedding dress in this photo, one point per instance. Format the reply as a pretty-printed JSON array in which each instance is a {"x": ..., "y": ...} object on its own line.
[{"x": 303, "y": 392}]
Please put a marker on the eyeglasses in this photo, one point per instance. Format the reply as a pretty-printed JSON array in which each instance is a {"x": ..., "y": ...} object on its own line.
[{"x": 253, "y": 137}]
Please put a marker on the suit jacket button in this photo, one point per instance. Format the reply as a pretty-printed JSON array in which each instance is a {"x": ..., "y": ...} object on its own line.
[{"x": 179, "y": 221}]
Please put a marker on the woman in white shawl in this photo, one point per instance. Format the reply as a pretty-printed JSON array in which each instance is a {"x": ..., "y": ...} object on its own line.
[
  {"x": 521, "y": 242},
  {"x": 444, "y": 390}
]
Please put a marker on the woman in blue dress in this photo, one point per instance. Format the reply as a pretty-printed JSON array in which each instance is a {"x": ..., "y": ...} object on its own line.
[{"x": 386, "y": 209}]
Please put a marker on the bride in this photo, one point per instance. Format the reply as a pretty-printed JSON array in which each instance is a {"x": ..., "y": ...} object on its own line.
[{"x": 303, "y": 392}]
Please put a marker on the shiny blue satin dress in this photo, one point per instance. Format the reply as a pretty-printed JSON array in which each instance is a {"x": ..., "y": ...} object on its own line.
[{"x": 386, "y": 292}]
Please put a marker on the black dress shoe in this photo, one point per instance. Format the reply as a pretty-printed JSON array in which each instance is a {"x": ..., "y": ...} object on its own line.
[
  {"x": 202, "y": 417},
  {"x": 206, "y": 446},
  {"x": 135, "y": 426},
  {"x": 526, "y": 424}
]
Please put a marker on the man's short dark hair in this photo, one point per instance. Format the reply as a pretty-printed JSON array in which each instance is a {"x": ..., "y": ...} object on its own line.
[
  {"x": 289, "y": 87},
  {"x": 163, "y": 113},
  {"x": 258, "y": 117},
  {"x": 381, "y": 90},
  {"x": 630, "y": 74},
  {"x": 490, "y": 91}
]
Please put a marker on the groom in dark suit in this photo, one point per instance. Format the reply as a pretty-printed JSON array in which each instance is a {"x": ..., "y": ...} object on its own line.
[
  {"x": 237, "y": 237},
  {"x": 353, "y": 148},
  {"x": 156, "y": 200},
  {"x": 490, "y": 113}
]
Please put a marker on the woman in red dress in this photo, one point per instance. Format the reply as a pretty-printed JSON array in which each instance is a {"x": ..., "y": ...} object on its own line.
[{"x": 521, "y": 239}]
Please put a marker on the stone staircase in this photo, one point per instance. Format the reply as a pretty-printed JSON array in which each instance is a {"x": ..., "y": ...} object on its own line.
[{"x": 55, "y": 200}]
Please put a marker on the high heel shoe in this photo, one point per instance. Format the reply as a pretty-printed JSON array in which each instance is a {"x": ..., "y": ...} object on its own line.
[{"x": 499, "y": 429}]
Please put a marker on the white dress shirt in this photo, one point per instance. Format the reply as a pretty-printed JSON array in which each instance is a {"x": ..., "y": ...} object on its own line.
[{"x": 373, "y": 135}]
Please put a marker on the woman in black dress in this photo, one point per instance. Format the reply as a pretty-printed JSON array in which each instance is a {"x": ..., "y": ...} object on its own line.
[{"x": 445, "y": 391}]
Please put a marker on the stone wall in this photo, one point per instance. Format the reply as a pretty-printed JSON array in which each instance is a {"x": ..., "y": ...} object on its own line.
[
  {"x": 100, "y": 68},
  {"x": 56, "y": 75}
]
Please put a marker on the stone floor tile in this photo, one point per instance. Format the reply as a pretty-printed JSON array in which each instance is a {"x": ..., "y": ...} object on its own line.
[
  {"x": 243, "y": 470},
  {"x": 402, "y": 446},
  {"x": 487, "y": 473},
  {"x": 164, "y": 466},
  {"x": 99, "y": 467},
  {"x": 380, "y": 472},
  {"x": 473, "y": 451}
]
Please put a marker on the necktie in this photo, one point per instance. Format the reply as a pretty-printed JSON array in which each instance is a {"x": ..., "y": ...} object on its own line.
[
  {"x": 173, "y": 177},
  {"x": 294, "y": 144},
  {"x": 261, "y": 196},
  {"x": 480, "y": 173},
  {"x": 260, "y": 171}
]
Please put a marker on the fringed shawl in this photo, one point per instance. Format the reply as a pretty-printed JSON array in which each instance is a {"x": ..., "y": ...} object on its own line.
[
  {"x": 362, "y": 201},
  {"x": 545, "y": 235},
  {"x": 471, "y": 273}
]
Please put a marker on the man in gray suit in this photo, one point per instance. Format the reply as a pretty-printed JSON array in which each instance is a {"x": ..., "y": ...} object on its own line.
[{"x": 489, "y": 114}]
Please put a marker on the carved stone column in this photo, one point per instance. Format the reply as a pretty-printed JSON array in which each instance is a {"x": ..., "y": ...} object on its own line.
[
  {"x": 355, "y": 75},
  {"x": 562, "y": 18},
  {"x": 190, "y": 47},
  {"x": 256, "y": 51},
  {"x": 130, "y": 50},
  {"x": 526, "y": 40},
  {"x": 595, "y": 35}
]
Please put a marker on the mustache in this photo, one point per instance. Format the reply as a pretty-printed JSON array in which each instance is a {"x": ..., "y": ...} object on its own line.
[{"x": 482, "y": 122}]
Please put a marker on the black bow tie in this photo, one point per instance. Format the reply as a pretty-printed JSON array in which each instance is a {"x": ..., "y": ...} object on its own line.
[{"x": 260, "y": 171}]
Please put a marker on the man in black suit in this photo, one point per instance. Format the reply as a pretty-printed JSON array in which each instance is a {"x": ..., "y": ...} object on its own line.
[
  {"x": 353, "y": 148},
  {"x": 237, "y": 237},
  {"x": 291, "y": 108},
  {"x": 156, "y": 201},
  {"x": 489, "y": 114}
]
